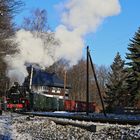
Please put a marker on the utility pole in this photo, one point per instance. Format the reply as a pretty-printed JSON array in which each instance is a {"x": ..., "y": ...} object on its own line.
[
  {"x": 97, "y": 84},
  {"x": 87, "y": 98},
  {"x": 65, "y": 82}
]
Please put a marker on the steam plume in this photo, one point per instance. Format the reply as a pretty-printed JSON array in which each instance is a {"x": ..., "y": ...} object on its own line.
[
  {"x": 31, "y": 49},
  {"x": 78, "y": 18}
]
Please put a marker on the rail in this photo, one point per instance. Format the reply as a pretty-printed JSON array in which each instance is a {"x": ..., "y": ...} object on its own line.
[
  {"x": 131, "y": 110},
  {"x": 92, "y": 118}
]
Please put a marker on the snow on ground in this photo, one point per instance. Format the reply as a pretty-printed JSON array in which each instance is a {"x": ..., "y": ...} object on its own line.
[
  {"x": 15, "y": 127},
  {"x": 4, "y": 127},
  {"x": 7, "y": 130},
  {"x": 94, "y": 115}
]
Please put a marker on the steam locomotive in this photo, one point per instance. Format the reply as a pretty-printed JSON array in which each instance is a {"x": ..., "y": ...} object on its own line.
[{"x": 17, "y": 98}]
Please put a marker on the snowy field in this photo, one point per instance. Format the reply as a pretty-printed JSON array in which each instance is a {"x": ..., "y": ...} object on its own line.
[{"x": 17, "y": 127}]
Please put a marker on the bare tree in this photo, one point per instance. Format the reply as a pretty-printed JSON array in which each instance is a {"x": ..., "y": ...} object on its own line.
[
  {"x": 37, "y": 21},
  {"x": 76, "y": 78},
  {"x": 102, "y": 75},
  {"x": 8, "y": 9},
  {"x": 38, "y": 25}
]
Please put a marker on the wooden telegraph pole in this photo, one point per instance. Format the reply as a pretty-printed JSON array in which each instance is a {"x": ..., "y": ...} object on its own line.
[
  {"x": 87, "y": 88},
  {"x": 96, "y": 81}
]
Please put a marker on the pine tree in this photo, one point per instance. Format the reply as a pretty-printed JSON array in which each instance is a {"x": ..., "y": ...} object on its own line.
[
  {"x": 133, "y": 79},
  {"x": 115, "y": 94}
]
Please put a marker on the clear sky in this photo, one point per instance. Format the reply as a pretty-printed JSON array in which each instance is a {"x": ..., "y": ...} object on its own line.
[{"x": 112, "y": 35}]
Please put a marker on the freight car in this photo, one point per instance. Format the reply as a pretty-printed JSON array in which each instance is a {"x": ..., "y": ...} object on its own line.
[
  {"x": 78, "y": 106},
  {"x": 17, "y": 99}
]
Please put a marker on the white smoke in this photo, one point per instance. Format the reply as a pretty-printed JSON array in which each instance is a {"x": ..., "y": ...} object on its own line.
[
  {"x": 78, "y": 18},
  {"x": 32, "y": 50}
]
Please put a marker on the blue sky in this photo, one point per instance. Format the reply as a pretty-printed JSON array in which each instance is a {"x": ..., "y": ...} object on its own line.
[{"x": 111, "y": 37}]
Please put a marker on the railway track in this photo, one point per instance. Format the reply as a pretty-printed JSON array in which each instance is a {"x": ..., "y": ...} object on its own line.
[
  {"x": 46, "y": 127},
  {"x": 90, "y": 118}
]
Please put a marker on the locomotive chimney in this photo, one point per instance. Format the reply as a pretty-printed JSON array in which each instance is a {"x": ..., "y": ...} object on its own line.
[
  {"x": 31, "y": 77},
  {"x": 31, "y": 96}
]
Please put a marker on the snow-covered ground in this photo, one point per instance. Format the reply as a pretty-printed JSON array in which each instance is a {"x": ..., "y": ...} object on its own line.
[
  {"x": 94, "y": 115},
  {"x": 7, "y": 129},
  {"x": 17, "y": 127}
]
